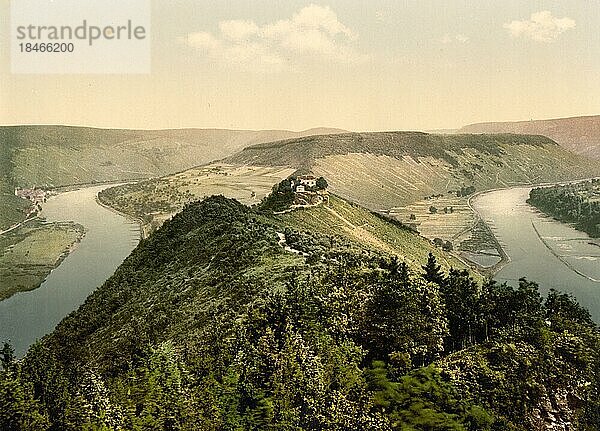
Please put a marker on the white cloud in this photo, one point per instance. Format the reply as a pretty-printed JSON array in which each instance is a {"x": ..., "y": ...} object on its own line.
[
  {"x": 314, "y": 31},
  {"x": 541, "y": 27}
]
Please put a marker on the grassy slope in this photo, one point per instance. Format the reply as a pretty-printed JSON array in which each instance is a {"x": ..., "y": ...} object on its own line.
[
  {"x": 578, "y": 134},
  {"x": 367, "y": 229}
]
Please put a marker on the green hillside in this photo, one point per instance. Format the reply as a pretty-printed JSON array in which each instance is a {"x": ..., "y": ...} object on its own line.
[
  {"x": 302, "y": 153},
  {"x": 216, "y": 322},
  {"x": 53, "y": 156},
  {"x": 367, "y": 230},
  {"x": 577, "y": 204}
]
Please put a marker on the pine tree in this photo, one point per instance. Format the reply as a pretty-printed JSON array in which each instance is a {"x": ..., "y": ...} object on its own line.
[{"x": 433, "y": 271}]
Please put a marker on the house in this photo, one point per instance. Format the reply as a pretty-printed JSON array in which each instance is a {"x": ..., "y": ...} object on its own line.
[
  {"x": 307, "y": 181},
  {"x": 300, "y": 188}
]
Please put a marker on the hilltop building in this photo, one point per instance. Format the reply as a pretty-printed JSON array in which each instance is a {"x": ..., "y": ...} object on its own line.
[{"x": 307, "y": 181}]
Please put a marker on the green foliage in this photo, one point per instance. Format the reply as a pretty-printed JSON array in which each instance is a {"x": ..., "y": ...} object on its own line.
[
  {"x": 423, "y": 400},
  {"x": 465, "y": 191},
  {"x": 322, "y": 183},
  {"x": 211, "y": 325},
  {"x": 280, "y": 198},
  {"x": 20, "y": 410}
]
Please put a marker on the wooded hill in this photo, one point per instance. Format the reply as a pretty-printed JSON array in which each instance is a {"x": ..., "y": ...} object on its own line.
[
  {"x": 210, "y": 324},
  {"x": 578, "y": 204}
]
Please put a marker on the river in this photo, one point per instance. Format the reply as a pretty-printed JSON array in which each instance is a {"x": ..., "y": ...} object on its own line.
[
  {"x": 540, "y": 248},
  {"x": 109, "y": 239}
]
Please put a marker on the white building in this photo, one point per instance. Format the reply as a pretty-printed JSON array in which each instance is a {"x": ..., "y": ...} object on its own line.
[{"x": 307, "y": 181}]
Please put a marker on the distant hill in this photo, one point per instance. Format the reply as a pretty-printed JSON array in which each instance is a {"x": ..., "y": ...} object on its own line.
[
  {"x": 442, "y": 131},
  {"x": 578, "y": 134},
  {"x": 388, "y": 169},
  {"x": 51, "y": 156}
]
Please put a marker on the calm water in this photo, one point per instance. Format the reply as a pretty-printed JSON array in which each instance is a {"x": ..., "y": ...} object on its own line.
[
  {"x": 570, "y": 265},
  {"x": 109, "y": 238}
]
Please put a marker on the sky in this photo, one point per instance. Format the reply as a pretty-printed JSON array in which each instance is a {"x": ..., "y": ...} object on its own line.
[{"x": 356, "y": 65}]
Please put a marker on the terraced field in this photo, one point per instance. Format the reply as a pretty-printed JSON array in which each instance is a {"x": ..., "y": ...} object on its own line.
[
  {"x": 153, "y": 201},
  {"x": 381, "y": 182},
  {"x": 447, "y": 222}
]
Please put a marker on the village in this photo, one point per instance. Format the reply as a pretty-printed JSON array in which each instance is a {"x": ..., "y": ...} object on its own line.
[{"x": 35, "y": 195}]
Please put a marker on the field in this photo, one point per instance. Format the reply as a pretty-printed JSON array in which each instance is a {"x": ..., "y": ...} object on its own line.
[
  {"x": 29, "y": 253},
  {"x": 153, "y": 201}
]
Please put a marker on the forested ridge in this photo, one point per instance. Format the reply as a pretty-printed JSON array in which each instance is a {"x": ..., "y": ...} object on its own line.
[
  {"x": 211, "y": 325},
  {"x": 577, "y": 203}
]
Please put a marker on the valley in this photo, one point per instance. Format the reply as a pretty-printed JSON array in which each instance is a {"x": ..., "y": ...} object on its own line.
[
  {"x": 54, "y": 156},
  {"x": 424, "y": 181},
  {"x": 280, "y": 307},
  {"x": 39, "y": 159}
]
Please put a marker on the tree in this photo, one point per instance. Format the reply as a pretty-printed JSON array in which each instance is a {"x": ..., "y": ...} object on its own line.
[
  {"x": 447, "y": 246},
  {"x": 461, "y": 296},
  {"x": 433, "y": 271},
  {"x": 423, "y": 400},
  {"x": 7, "y": 356},
  {"x": 322, "y": 183},
  {"x": 19, "y": 411},
  {"x": 562, "y": 306}
]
